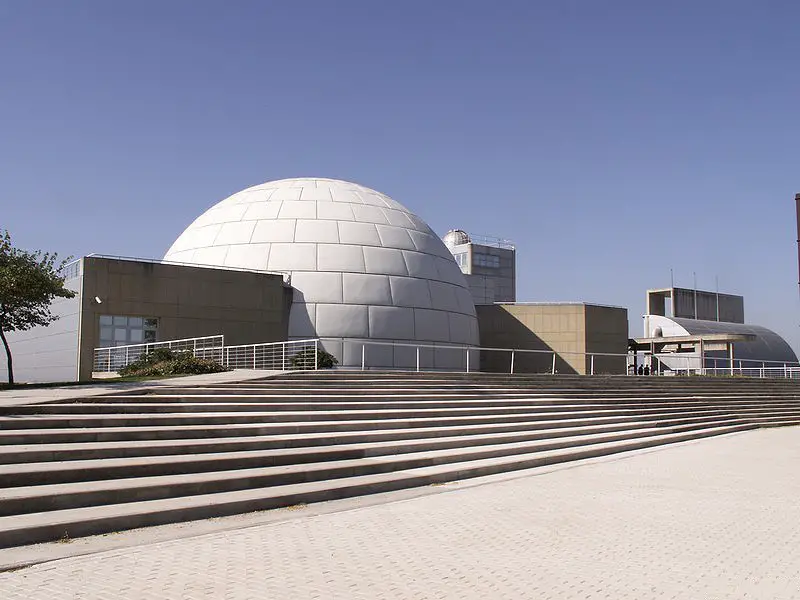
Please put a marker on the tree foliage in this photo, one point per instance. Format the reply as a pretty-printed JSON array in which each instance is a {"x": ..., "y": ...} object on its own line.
[{"x": 29, "y": 282}]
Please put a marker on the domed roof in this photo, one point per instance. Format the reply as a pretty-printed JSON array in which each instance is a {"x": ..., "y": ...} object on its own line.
[
  {"x": 455, "y": 237},
  {"x": 362, "y": 265}
]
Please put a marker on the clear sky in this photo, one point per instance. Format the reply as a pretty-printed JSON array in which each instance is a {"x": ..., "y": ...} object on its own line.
[{"x": 610, "y": 140}]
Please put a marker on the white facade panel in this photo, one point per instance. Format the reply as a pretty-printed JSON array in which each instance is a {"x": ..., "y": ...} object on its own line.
[
  {"x": 409, "y": 291},
  {"x": 274, "y": 231},
  {"x": 333, "y": 257},
  {"x": 394, "y": 237},
  {"x": 215, "y": 255},
  {"x": 335, "y": 211},
  {"x": 239, "y": 232},
  {"x": 388, "y": 261},
  {"x": 258, "y": 211},
  {"x": 391, "y": 322},
  {"x": 248, "y": 256},
  {"x": 367, "y": 289},
  {"x": 342, "y": 320},
  {"x": 316, "y": 286},
  {"x": 361, "y": 234},
  {"x": 316, "y": 231},
  {"x": 292, "y": 209},
  {"x": 293, "y": 257}
]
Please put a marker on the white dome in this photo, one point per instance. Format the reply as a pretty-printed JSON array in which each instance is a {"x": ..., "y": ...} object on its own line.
[
  {"x": 455, "y": 237},
  {"x": 363, "y": 266}
]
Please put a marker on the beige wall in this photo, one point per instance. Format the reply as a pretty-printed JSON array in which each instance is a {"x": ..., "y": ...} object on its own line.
[
  {"x": 571, "y": 330},
  {"x": 607, "y": 332},
  {"x": 246, "y": 307}
]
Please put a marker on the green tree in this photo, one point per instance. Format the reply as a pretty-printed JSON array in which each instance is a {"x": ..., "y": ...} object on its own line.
[{"x": 29, "y": 282}]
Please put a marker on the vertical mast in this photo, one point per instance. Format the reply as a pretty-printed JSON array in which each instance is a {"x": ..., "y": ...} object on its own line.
[{"x": 797, "y": 202}]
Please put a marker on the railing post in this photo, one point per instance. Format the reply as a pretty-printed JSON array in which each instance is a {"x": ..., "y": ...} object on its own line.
[
  {"x": 553, "y": 368},
  {"x": 109, "y": 361},
  {"x": 254, "y": 357},
  {"x": 512, "y": 363},
  {"x": 363, "y": 356},
  {"x": 283, "y": 356},
  {"x": 592, "y": 364},
  {"x": 417, "y": 359},
  {"x": 127, "y": 360},
  {"x": 194, "y": 347},
  {"x": 316, "y": 355},
  {"x": 467, "y": 359}
]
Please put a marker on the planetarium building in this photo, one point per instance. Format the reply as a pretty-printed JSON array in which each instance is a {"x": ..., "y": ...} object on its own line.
[
  {"x": 291, "y": 259},
  {"x": 361, "y": 265}
]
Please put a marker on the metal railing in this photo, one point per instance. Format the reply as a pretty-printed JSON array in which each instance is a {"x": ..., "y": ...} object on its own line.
[
  {"x": 71, "y": 270},
  {"x": 738, "y": 367},
  {"x": 368, "y": 354},
  {"x": 112, "y": 359},
  {"x": 273, "y": 356}
]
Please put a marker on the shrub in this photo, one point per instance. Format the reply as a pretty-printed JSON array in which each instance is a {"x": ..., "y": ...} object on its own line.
[
  {"x": 163, "y": 361},
  {"x": 305, "y": 359}
]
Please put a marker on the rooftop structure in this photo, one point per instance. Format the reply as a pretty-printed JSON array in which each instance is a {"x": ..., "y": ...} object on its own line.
[
  {"x": 695, "y": 304},
  {"x": 488, "y": 263}
]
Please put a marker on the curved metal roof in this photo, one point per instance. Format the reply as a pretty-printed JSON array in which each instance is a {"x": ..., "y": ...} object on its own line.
[{"x": 768, "y": 345}]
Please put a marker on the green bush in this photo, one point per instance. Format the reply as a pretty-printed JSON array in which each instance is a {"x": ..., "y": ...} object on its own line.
[
  {"x": 305, "y": 359},
  {"x": 163, "y": 361}
]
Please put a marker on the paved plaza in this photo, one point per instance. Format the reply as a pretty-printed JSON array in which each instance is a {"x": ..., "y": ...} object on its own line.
[{"x": 711, "y": 519}]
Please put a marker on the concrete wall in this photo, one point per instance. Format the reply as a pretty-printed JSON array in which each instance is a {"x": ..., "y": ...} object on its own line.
[
  {"x": 607, "y": 332},
  {"x": 571, "y": 330},
  {"x": 247, "y": 307},
  {"x": 44, "y": 354}
]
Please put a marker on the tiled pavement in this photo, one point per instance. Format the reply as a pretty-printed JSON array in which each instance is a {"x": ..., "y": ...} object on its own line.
[{"x": 712, "y": 519}]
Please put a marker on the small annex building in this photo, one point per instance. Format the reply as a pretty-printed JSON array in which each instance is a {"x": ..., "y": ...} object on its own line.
[{"x": 706, "y": 330}]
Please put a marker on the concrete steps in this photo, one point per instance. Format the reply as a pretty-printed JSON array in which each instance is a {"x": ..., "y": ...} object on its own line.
[
  {"x": 31, "y": 528},
  {"x": 132, "y": 459}
]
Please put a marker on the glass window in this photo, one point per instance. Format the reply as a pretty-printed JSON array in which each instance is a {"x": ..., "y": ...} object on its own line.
[
  {"x": 119, "y": 330},
  {"x": 485, "y": 260}
]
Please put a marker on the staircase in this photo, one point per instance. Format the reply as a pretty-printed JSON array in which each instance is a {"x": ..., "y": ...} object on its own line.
[{"x": 119, "y": 461}]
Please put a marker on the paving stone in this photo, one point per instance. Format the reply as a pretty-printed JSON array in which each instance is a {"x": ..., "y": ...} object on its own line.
[{"x": 716, "y": 518}]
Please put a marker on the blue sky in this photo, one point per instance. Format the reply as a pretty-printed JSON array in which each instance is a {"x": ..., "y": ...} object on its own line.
[{"x": 612, "y": 141}]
